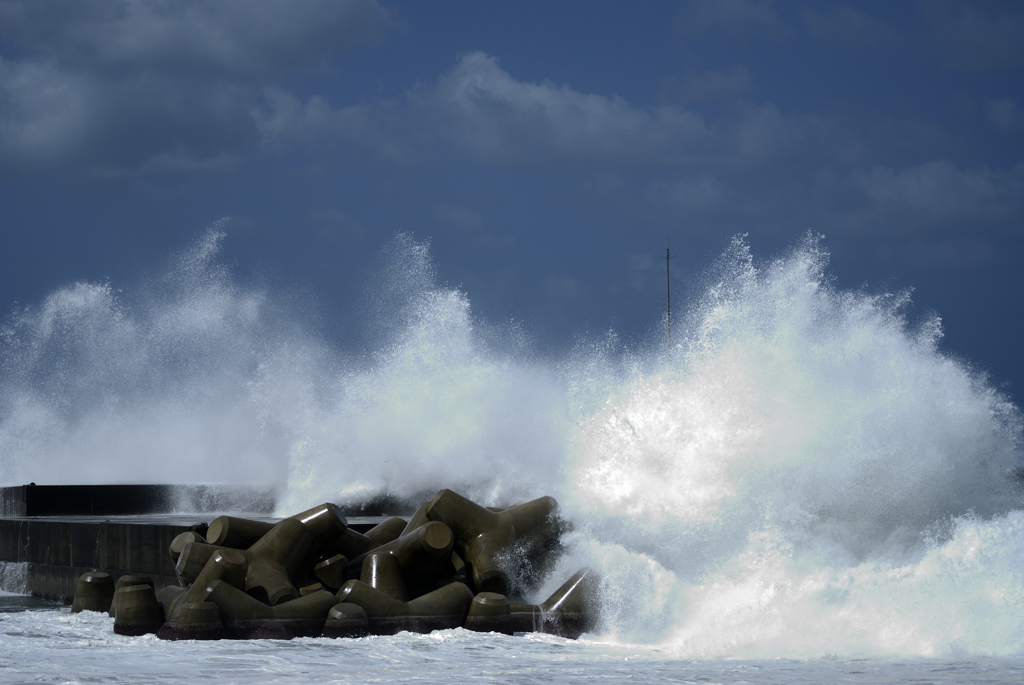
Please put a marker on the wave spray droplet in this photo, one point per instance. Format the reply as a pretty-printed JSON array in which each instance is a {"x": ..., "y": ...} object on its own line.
[
  {"x": 806, "y": 474},
  {"x": 804, "y": 477}
]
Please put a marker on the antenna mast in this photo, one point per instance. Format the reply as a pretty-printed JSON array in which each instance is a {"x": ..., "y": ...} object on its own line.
[{"x": 668, "y": 301}]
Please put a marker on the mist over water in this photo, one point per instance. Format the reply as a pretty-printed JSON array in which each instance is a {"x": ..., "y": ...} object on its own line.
[{"x": 802, "y": 474}]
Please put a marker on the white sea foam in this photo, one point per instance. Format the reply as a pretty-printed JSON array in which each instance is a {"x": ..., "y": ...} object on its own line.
[
  {"x": 805, "y": 474},
  {"x": 55, "y": 646}
]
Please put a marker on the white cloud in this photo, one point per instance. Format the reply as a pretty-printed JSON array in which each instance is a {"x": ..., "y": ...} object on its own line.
[
  {"x": 44, "y": 111},
  {"x": 142, "y": 87},
  {"x": 939, "y": 188},
  {"x": 931, "y": 215},
  {"x": 53, "y": 118},
  {"x": 227, "y": 38},
  {"x": 485, "y": 113},
  {"x": 483, "y": 110},
  {"x": 284, "y": 121}
]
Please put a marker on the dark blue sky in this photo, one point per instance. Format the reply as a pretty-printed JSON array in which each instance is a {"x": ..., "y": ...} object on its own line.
[{"x": 547, "y": 150}]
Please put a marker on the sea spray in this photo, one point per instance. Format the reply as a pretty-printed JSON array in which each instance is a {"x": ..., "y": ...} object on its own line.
[
  {"x": 104, "y": 386},
  {"x": 437, "y": 404},
  {"x": 191, "y": 377},
  {"x": 799, "y": 477},
  {"x": 804, "y": 474}
]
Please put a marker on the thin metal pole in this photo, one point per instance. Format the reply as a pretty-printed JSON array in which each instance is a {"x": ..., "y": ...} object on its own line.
[{"x": 668, "y": 304}]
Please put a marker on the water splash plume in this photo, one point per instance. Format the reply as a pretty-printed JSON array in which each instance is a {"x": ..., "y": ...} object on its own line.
[{"x": 804, "y": 474}]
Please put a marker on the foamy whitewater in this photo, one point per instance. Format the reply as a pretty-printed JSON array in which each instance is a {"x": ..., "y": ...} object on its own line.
[{"x": 804, "y": 486}]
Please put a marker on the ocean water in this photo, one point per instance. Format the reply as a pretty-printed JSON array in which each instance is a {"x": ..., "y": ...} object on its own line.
[
  {"x": 49, "y": 645},
  {"x": 804, "y": 486}
]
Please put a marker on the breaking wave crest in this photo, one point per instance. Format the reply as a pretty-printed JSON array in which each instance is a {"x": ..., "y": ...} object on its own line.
[{"x": 802, "y": 474}]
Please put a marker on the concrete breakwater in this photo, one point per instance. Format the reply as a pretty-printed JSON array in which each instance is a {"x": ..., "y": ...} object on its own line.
[
  {"x": 55, "y": 552},
  {"x": 51, "y": 535},
  {"x": 453, "y": 563},
  {"x": 133, "y": 500},
  {"x": 450, "y": 563}
]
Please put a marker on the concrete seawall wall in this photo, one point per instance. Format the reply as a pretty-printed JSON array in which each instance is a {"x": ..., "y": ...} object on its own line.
[
  {"x": 52, "y": 534},
  {"x": 133, "y": 500},
  {"x": 57, "y": 552}
]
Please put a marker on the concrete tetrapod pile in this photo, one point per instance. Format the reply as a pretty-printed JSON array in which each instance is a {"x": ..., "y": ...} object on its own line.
[{"x": 453, "y": 563}]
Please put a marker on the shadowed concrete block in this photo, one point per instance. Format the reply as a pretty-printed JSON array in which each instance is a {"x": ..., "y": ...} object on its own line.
[
  {"x": 229, "y": 565},
  {"x": 347, "y": 620},
  {"x": 95, "y": 592},
  {"x": 330, "y": 572},
  {"x": 570, "y": 611},
  {"x": 386, "y": 614},
  {"x": 489, "y": 613},
  {"x": 192, "y": 560},
  {"x": 419, "y": 517},
  {"x": 573, "y": 609},
  {"x": 197, "y": 621},
  {"x": 246, "y": 618},
  {"x": 179, "y": 542},
  {"x": 382, "y": 572},
  {"x": 526, "y": 618},
  {"x": 138, "y": 611},
  {"x": 237, "y": 533},
  {"x": 188, "y": 620},
  {"x": 132, "y": 579},
  {"x": 325, "y": 523},
  {"x": 387, "y": 530},
  {"x": 424, "y": 579},
  {"x": 441, "y": 609},
  {"x": 351, "y": 544},
  {"x": 171, "y": 597},
  {"x": 126, "y": 581},
  {"x": 274, "y": 559},
  {"x": 420, "y": 558},
  {"x": 422, "y": 548},
  {"x": 483, "y": 537},
  {"x": 454, "y": 572}
]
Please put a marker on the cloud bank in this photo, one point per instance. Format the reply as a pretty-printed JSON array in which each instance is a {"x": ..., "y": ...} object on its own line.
[{"x": 148, "y": 87}]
